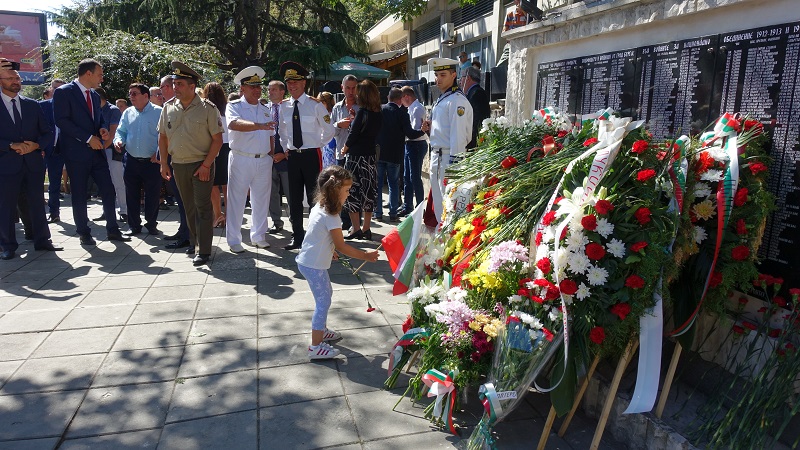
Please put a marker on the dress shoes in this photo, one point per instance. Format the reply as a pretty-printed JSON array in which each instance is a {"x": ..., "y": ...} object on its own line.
[
  {"x": 123, "y": 218},
  {"x": 133, "y": 232},
  {"x": 102, "y": 217},
  {"x": 173, "y": 237},
  {"x": 53, "y": 219},
  {"x": 190, "y": 251},
  {"x": 275, "y": 230},
  {"x": 6, "y": 255},
  {"x": 153, "y": 231},
  {"x": 178, "y": 244},
  {"x": 355, "y": 235},
  {"x": 28, "y": 236},
  {"x": 199, "y": 260},
  {"x": 48, "y": 246},
  {"x": 294, "y": 244},
  {"x": 87, "y": 240},
  {"x": 118, "y": 238}
]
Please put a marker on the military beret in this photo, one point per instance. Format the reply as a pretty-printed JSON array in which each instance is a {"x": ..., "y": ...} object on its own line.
[{"x": 291, "y": 70}]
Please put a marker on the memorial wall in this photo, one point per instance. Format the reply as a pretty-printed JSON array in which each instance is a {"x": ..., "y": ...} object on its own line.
[{"x": 681, "y": 87}]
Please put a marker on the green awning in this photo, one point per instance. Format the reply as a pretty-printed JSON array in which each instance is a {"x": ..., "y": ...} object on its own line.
[{"x": 348, "y": 65}]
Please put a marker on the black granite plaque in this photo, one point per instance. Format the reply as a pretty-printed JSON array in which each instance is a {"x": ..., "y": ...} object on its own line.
[
  {"x": 609, "y": 81},
  {"x": 559, "y": 85}
]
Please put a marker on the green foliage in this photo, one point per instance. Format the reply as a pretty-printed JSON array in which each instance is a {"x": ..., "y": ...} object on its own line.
[{"x": 127, "y": 58}]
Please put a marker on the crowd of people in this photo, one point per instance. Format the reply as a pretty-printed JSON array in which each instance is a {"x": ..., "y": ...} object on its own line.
[{"x": 204, "y": 144}]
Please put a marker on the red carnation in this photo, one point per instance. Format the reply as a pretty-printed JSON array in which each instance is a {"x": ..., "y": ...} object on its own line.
[
  {"x": 590, "y": 142},
  {"x": 621, "y": 310},
  {"x": 750, "y": 124},
  {"x": 634, "y": 282},
  {"x": 794, "y": 292},
  {"x": 642, "y": 215},
  {"x": 370, "y": 309},
  {"x": 544, "y": 265},
  {"x": 541, "y": 282},
  {"x": 645, "y": 175},
  {"x": 470, "y": 207},
  {"x": 778, "y": 281},
  {"x": 741, "y": 197},
  {"x": 478, "y": 221},
  {"x": 523, "y": 292},
  {"x": 524, "y": 281},
  {"x": 749, "y": 325},
  {"x": 715, "y": 280},
  {"x": 638, "y": 246},
  {"x": 557, "y": 200},
  {"x": 757, "y": 167},
  {"x": 508, "y": 162},
  {"x": 568, "y": 287},
  {"x": 506, "y": 211},
  {"x": 547, "y": 334},
  {"x": 537, "y": 299},
  {"x": 562, "y": 133},
  {"x": 738, "y": 329},
  {"x": 774, "y": 332},
  {"x": 740, "y": 252},
  {"x": 741, "y": 227},
  {"x": 595, "y": 251},
  {"x": 780, "y": 301},
  {"x": 704, "y": 162},
  {"x": 538, "y": 239},
  {"x": 493, "y": 181},
  {"x": 549, "y": 218},
  {"x": 589, "y": 222},
  {"x": 597, "y": 335},
  {"x": 603, "y": 207},
  {"x": 639, "y": 147},
  {"x": 552, "y": 293},
  {"x": 743, "y": 301}
]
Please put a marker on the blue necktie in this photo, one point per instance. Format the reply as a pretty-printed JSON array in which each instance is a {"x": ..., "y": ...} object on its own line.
[{"x": 17, "y": 117}]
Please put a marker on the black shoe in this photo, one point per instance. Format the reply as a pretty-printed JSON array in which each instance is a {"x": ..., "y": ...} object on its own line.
[
  {"x": 404, "y": 212},
  {"x": 178, "y": 244},
  {"x": 356, "y": 235},
  {"x": 294, "y": 244},
  {"x": 199, "y": 260},
  {"x": 61, "y": 196},
  {"x": 123, "y": 218},
  {"x": 163, "y": 207},
  {"x": 367, "y": 235},
  {"x": 6, "y": 255},
  {"x": 118, "y": 238},
  {"x": 48, "y": 247},
  {"x": 393, "y": 218},
  {"x": 133, "y": 232},
  {"x": 378, "y": 217},
  {"x": 190, "y": 251},
  {"x": 87, "y": 240},
  {"x": 173, "y": 237},
  {"x": 275, "y": 230},
  {"x": 153, "y": 231},
  {"x": 102, "y": 217},
  {"x": 53, "y": 219},
  {"x": 28, "y": 236}
]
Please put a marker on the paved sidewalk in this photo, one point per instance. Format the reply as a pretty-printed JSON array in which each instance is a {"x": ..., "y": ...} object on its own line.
[{"x": 127, "y": 345}]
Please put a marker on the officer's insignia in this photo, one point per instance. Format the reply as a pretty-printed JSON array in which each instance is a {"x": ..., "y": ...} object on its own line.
[
  {"x": 327, "y": 118},
  {"x": 177, "y": 71},
  {"x": 460, "y": 111}
]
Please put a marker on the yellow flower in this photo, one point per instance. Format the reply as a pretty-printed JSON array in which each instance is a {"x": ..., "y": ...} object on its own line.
[
  {"x": 475, "y": 325},
  {"x": 491, "y": 328},
  {"x": 477, "y": 206},
  {"x": 486, "y": 235},
  {"x": 481, "y": 318},
  {"x": 492, "y": 213},
  {"x": 704, "y": 210}
]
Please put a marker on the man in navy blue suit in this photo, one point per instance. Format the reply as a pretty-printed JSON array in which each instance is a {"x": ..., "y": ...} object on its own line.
[
  {"x": 52, "y": 155},
  {"x": 82, "y": 140},
  {"x": 23, "y": 134}
]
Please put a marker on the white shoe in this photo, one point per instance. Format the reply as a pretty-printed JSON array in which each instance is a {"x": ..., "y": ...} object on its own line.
[
  {"x": 331, "y": 335},
  {"x": 261, "y": 244},
  {"x": 237, "y": 248},
  {"x": 322, "y": 351}
]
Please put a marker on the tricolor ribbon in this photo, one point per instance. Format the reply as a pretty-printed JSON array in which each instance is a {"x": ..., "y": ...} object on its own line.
[
  {"x": 548, "y": 144},
  {"x": 679, "y": 169},
  {"x": 443, "y": 387},
  {"x": 409, "y": 338},
  {"x": 491, "y": 404}
]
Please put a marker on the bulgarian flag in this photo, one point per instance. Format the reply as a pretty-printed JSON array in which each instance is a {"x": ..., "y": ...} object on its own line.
[{"x": 400, "y": 246}]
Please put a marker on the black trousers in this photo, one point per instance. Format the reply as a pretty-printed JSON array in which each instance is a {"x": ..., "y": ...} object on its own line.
[
  {"x": 138, "y": 175},
  {"x": 304, "y": 168}
]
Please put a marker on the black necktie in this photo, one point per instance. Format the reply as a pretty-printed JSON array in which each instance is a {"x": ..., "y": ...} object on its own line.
[
  {"x": 277, "y": 120},
  {"x": 17, "y": 117},
  {"x": 297, "y": 131}
]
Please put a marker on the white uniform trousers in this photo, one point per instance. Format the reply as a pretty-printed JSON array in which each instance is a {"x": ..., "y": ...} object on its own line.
[
  {"x": 440, "y": 159},
  {"x": 118, "y": 179},
  {"x": 253, "y": 174}
]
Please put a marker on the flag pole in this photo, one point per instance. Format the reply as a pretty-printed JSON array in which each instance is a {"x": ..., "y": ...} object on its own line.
[{"x": 362, "y": 264}]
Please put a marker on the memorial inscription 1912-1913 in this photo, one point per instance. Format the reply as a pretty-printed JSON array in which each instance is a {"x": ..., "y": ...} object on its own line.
[{"x": 681, "y": 87}]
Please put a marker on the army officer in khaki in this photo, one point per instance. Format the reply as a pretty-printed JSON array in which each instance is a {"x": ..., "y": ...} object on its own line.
[{"x": 190, "y": 131}]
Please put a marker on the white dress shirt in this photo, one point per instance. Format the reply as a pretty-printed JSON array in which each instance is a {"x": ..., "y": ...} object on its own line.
[{"x": 315, "y": 123}]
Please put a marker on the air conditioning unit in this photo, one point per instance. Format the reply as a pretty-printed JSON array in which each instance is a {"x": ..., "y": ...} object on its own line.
[{"x": 448, "y": 34}]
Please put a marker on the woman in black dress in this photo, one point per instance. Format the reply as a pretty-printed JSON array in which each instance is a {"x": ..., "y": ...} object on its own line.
[
  {"x": 216, "y": 94},
  {"x": 361, "y": 155}
]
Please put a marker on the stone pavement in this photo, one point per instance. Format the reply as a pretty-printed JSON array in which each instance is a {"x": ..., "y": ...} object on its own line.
[{"x": 127, "y": 345}]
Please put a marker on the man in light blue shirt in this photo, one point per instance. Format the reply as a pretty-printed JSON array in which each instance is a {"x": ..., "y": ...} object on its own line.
[{"x": 137, "y": 138}]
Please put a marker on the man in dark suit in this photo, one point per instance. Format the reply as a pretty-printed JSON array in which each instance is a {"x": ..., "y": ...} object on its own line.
[
  {"x": 392, "y": 141},
  {"x": 477, "y": 98},
  {"x": 23, "y": 134},
  {"x": 52, "y": 155},
  {"x": 83, "y": 137}
]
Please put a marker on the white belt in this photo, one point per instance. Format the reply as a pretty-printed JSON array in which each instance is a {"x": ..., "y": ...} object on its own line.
[{"x": 251, "y": 155}]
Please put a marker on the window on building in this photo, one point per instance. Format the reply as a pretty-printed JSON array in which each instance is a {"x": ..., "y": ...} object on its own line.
[
  {"x": 468, "y": 13},
  {"x": 427, "y": 32}
]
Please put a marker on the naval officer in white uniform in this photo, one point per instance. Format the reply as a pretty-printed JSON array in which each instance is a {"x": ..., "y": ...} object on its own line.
[
  {"x": 250, "y": 133},
  {"x": 450, "y": 127}
]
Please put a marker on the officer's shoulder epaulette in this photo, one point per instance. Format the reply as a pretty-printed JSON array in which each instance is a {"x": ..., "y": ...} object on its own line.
[{"x": 207, "y": 102}]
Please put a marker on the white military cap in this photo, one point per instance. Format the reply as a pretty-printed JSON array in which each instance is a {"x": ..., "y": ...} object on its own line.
[
  {"x": 443, "y": 64},
  {"x": 250, "y": 76}
]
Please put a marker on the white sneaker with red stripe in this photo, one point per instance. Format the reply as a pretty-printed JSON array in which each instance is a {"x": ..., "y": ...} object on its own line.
[
  {"x": 331, "y": 335},
  {"x": 322, "y": 351}
]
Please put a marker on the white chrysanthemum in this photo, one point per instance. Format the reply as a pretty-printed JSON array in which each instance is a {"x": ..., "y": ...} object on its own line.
[
  {"x": 433, "y": 309},
  {"x": 597, "y": 276},
  {"x": 503, "y": 122},
  {"x": 702, "y": 190},
  {"x": 515, "y": 299},
  {"x": 548, "y": 235},
  {"x": 616, "y": 248},
  {"x": 578, "y": 263},
  {"x": 531, "y": 285},
  {"x": 528, "y": 319},
  {"x": 575, "y": 223},
  {"x": 456, "y": 294},
  {"x": 604, "y": 227},
  {"x": 486, "y": 124},
  {"x": 561, "y": 260},
  {"x": 712, "y": 175},
  {"x": 699, "y": 234},
  {"x": 542, "y": 251},
  {"x": 583, "y": 292},
  {"x": 576, "y": 241},
  {"x": 718, "y": 153},
  {"x": 554, "y": 314}
]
